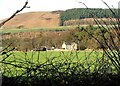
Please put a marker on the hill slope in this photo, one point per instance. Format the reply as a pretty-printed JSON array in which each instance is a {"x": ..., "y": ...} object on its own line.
[{"x": 34, "y": 20}]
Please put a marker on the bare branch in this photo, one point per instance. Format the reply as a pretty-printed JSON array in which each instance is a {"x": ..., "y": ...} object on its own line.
[
  {"x": 24, "y": 6},
  {"x": 83, "y": 4}
]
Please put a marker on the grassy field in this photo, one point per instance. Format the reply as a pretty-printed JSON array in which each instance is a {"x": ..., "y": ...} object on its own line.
[
  {"x": 59, "y": 28},
  {"x": 16, "y": 30},
  {"x": 46, "y": 55},
  {"x": 56, "y": 66},
  {"x": 17, "y": 61}
]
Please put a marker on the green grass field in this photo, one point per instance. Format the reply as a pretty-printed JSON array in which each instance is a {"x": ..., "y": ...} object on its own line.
[
  {"x": 16, "y": 30},
  {"x": 17, "y": 61},
  {"x": 46, "y": 55},
  {"x": 59, "y": 28}
]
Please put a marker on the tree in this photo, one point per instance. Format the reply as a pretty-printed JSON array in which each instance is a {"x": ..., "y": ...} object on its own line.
[{"x": 108, "y": 33}]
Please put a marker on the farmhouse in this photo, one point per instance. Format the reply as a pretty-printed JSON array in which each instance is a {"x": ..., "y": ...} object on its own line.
[{"x": 72, "y": 46}]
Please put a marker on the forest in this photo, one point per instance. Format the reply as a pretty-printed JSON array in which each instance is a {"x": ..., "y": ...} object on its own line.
[{"x": 82, "y": 13}]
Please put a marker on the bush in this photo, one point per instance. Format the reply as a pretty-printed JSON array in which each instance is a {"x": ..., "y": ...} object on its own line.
[
  {"x": 83, "y": 47},
  {"x": 59, "y": 72}
]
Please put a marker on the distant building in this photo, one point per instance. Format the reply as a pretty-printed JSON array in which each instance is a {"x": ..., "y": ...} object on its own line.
[{"x": 72, "y": 46}]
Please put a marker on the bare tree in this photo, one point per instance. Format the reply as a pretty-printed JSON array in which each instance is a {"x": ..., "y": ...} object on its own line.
[{"x": 111, "y": 44}]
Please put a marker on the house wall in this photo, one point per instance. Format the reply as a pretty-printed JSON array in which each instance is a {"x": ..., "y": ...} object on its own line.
[
  {"x": 73, "y": 46},
  {"x": 64, "y": 46}
]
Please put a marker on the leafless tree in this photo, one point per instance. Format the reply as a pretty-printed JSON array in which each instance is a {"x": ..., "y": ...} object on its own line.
[{"x": 111, "y": 45}]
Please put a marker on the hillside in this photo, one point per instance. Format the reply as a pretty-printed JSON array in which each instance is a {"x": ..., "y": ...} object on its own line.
[
  {"x": 88, "y": 21},
  {"x": 34, "y": 20},
  {"x": 70, "y": 17},
  {"x": 82, "y": 13}
]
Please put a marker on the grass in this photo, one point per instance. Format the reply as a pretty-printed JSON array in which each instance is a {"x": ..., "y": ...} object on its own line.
[
  {"x": 60, "y": 28},
  {"x": 16, "y": 30},
  {"x": 46, "y": 68},
  {"x": 25, "y": 59},
  {"x": 45, "y": 55}
]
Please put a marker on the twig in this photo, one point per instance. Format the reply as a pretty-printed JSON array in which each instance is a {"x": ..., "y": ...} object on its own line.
[{"x": 24, "y": 6}]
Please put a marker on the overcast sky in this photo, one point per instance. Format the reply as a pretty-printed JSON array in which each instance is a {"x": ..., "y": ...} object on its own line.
[{"x": 8, "y": 7}]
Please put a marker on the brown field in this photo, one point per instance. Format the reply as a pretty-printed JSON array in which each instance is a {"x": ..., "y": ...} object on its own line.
[{"x": 34, "y": 20}]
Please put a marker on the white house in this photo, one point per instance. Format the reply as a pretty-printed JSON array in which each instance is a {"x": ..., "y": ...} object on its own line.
[
  {"x": 72, "y": 46},
  {"x": 64, "y": 45}
]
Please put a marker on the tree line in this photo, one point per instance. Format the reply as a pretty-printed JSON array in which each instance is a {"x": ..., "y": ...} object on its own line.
[
  {"x": 81, "y": 13},
  {"x": 23, "y": 41}
]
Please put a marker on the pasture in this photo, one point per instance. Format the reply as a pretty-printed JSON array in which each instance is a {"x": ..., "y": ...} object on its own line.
[
  {"x": 16, "y": 30},
  {"x": 59, "y": 28},
  {"x": 17, "y": 62},
  {"x": 56, "y": 55}
]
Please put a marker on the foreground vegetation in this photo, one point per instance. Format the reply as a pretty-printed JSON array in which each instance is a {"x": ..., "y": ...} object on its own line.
[{"x": 51, "y": 68}]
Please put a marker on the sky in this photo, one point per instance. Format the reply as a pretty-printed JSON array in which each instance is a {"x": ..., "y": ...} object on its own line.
[{"x": 8, "y": 7}]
